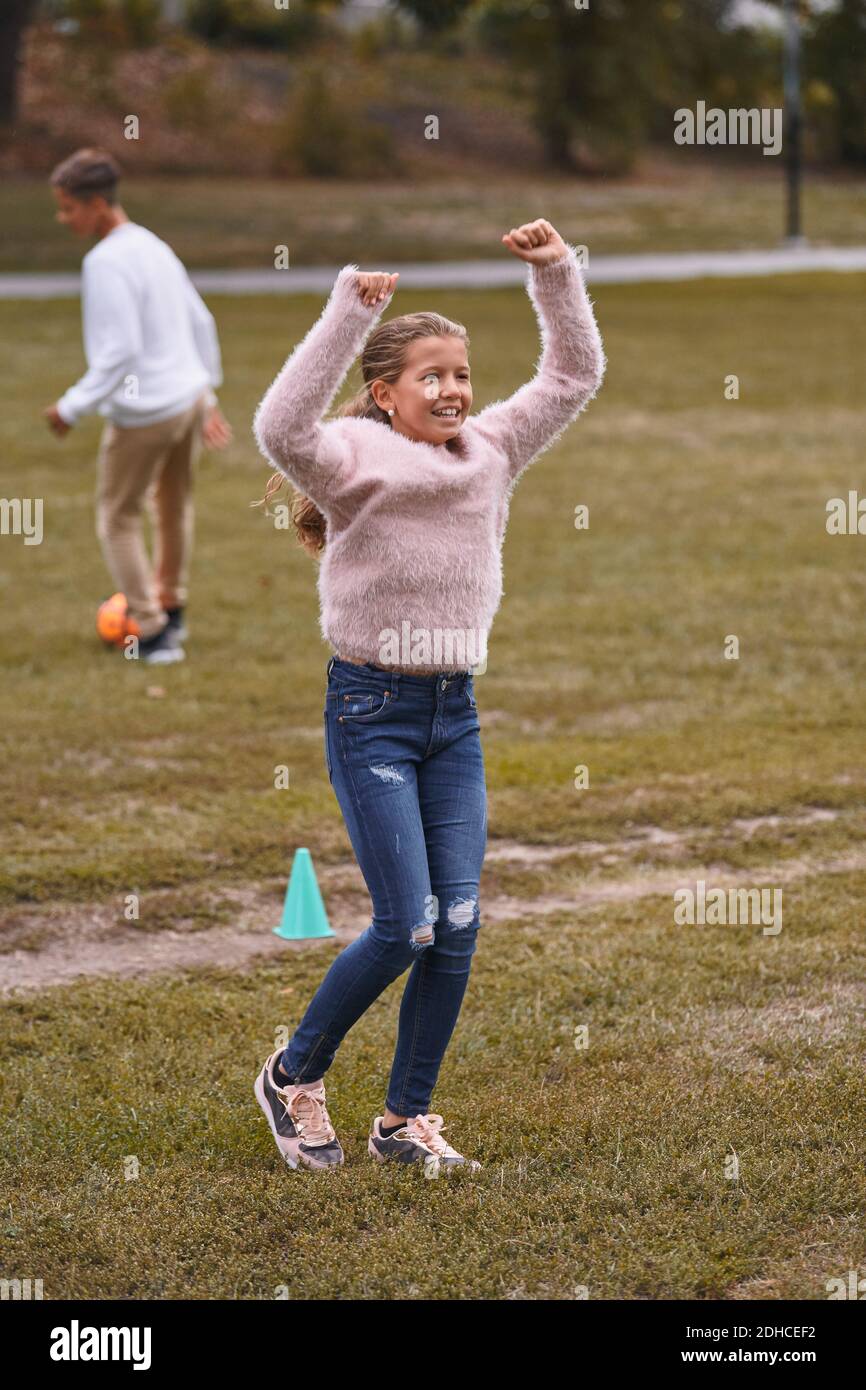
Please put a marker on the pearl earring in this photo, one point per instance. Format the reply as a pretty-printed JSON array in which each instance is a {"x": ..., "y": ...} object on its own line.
[{"x": 390, "y": 412}]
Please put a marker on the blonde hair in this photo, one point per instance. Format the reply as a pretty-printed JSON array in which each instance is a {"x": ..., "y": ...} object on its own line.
[{"x": 382, "y": 359}]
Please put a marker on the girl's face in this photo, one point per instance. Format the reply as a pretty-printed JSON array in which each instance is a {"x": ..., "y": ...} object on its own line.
[{"x": 433, "y": 395}]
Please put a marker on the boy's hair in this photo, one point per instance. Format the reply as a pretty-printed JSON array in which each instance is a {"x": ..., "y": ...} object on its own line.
[
  {"x": 88, "y": 173},
  {"x": 382, "y": 359}
]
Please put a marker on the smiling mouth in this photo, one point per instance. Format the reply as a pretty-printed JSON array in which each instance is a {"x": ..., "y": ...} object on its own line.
[{"x": 447, "y": 413}]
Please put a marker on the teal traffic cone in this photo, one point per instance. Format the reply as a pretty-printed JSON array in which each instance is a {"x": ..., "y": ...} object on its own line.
[{"x": 304, "y": 912}]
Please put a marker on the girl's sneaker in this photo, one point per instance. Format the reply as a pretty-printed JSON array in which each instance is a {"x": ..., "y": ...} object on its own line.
[
  {"x": 418, "y": 1141},
  {"x": 298, "y": 1118}
]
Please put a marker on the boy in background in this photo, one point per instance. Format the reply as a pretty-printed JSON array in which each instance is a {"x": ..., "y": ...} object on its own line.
[{"x": 153, "y": 360}]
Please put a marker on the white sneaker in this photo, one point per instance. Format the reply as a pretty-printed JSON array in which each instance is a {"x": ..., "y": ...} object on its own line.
[
  {"x": 418, "y": 1141},
  {"x": 298, "y": 1117}
]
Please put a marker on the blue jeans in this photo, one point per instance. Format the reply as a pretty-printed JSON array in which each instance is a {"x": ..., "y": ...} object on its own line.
[{"x": 404, "y": 758}]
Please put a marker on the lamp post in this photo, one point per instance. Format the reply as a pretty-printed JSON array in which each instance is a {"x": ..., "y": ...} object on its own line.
[{"x": 793, "y": 123}]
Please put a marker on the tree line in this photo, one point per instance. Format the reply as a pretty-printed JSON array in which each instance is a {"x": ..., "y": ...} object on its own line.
[{"x": 607, "y": 76}]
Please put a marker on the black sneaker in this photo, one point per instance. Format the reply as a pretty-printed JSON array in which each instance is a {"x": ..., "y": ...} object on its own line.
[
  {"x": 298, "y": 1118},
  {"x": 418, "y": 1141},
  {"x": 161, "y": 650},
  {"x": 177, "y": 624}
]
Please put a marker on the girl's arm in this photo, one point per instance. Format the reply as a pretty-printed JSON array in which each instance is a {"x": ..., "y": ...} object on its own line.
[
  {"x": 287, "y": 424},
  {"x": 569, "y": 371}
]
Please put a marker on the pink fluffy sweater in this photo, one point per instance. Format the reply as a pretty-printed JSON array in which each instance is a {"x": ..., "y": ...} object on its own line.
[{"x": 415, "y": 530}]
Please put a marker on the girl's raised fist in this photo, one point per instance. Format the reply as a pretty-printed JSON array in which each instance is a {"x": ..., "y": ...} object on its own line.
[{"x": 537, "y": 242}]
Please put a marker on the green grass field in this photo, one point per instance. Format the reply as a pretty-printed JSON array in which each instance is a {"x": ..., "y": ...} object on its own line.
[
  {"x": 607, "y": 1167},
  {"x": 215, "y": 222}
]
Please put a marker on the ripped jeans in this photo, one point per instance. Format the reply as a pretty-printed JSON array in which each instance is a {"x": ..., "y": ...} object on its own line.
[{"x": 404, "y": 758}]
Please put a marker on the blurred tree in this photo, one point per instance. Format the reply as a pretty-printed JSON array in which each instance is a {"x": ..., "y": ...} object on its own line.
[
  {"x": 594, "y": 72},
  {"x": 607, "y": 77},
  {"x": 436, "y": 15},
  {"x": 258, "y": 22},
  {"x": 710, "y": 59},
  {"x": 15, "y": 15},
  {"x": 836, "y": 55},
  {"x": 328, "y": 134},
  {"x": 142, "y": 19}
]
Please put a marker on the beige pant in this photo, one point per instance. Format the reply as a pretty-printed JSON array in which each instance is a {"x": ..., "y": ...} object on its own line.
[{"x": 149, "y": 465}]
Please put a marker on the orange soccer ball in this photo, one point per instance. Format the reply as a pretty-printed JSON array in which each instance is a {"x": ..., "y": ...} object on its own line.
[{"x": 113, "y": 622}]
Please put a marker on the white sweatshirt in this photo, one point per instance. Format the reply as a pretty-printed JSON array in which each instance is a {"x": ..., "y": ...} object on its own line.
[{"x": 149, "y": 339}]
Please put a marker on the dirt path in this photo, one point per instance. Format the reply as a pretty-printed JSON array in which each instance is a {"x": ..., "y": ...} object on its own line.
[{"x": 68, "y": 942}]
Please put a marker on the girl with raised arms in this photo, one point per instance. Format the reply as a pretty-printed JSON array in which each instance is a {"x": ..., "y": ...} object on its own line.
[{"x": 404, "y": 495}]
